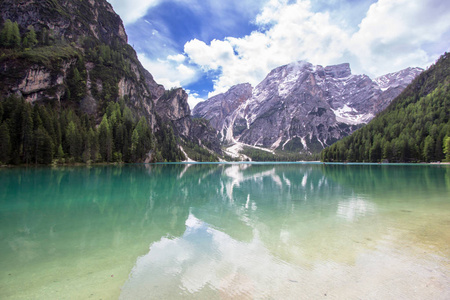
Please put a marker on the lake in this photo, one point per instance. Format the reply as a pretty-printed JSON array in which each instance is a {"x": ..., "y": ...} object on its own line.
[{"x": 225, "y": 231}]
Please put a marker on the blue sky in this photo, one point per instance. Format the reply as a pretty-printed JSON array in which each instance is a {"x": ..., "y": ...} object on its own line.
[{"x": 207, "y": 46}]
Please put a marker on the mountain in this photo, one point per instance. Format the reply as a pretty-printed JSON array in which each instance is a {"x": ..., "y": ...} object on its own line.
[
  {"x": 68, "y": 55},
  {"x": 414, "y": 127},
  {"x": 301, "y": 107}
]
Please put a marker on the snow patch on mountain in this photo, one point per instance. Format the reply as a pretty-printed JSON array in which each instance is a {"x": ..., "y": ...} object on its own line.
[{"x": 349, "y": 115}]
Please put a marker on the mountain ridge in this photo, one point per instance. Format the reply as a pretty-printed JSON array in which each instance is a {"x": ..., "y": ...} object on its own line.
[{"x": 300, "y": 106}]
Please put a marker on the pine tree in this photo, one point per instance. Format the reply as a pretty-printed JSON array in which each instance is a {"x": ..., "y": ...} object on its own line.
[
  {"x": 6, "y": 34},
  {"x": 93, "y": 142},
  {"x": 105, "y": 139},
  {"x": 5, "y": 143},
  {"x": 27, "y": 133},
  {"x": 446, "y": 148},
  {"x": 134, "y": 144},
  {"x": 77, "y": 87},
  {"x": 15, "y": 39},
  {"x": 73, "y": 139},
  {"x": 43, "y": 146},
  {"x": 60, "y": 152},
  {"x": 30, "y": 39},
  {"x": 428, "y": 149}
]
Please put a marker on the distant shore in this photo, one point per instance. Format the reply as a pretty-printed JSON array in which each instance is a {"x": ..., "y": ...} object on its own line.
[{"x": 78, "y": 164}]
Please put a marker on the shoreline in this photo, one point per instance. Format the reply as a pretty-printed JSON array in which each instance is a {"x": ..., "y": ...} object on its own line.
[{"x": 9, "y": 166}]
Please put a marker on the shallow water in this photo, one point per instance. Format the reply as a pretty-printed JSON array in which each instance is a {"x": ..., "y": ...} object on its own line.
[{"x": 220, "y": 231}]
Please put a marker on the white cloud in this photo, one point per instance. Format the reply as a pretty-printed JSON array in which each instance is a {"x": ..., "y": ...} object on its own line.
[
  {"x": 132, "y": 10},
  {"x": 393, "y": 35},
  {"x": 211, "y": 57},
  {"x": 193, "y": 99},
  {"x": 170, "y": 73},
  {"x": 179, "y": 58},
  {"x": 396, "y": 34}
]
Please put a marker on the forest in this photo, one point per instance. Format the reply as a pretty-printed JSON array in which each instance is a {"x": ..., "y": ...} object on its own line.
[
  {"x": 39, "y": 134},
  {"x": 414, "y": 128}
]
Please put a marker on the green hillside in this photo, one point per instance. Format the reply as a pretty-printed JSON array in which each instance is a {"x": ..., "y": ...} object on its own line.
[{"x": 414, "y": 128}]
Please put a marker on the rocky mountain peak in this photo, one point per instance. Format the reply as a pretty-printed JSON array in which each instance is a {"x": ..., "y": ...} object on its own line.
[
  {"x": 173, "y": 105},
  {"x": 337, "y": 71},
  {"x": 301, "y": 107}
]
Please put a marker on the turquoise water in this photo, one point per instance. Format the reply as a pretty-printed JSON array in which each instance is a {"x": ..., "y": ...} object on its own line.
[{"x": 225, "y": 231}]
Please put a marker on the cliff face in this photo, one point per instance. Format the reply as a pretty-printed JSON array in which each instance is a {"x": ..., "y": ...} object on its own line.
[
  {"x": 68, "y": 18},
  {"x": 221, "y": 109},
  {"x": 68, "y": 31},
  {"x": 81, "y": 59},
  {"x": 301, "y": 107},
  {"x": 172, "y": 107}
]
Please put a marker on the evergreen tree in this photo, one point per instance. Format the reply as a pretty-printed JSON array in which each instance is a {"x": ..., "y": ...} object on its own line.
[
  {"x": 93, "y": 143},
  {"x": 5, "y": 143},
  {"x": 105, "y": 139},
  {"x": 145, "y": 138},
  {"x": 44, "y": 146},
  {"x": 134, "y": 144},
  {"x": 73, "y": 140},
  {"x": 428, "y": 149},
  {"x": 77, "y": 86},
  {"x": 16, "y": 39},
  {"x": 27, "y": 133},
  {"x": 6, "y": 34},
  {"x": 30, "y": 39},
  {"x": 60, "y": 152},
  {"x": 168, "y": 144},
  {"x": 446, "y": 147}
]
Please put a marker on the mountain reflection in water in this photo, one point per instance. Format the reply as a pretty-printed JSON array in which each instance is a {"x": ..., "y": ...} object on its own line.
[
  {"x": 209, "y": 231},
  {"x": 293, "y": 231}
]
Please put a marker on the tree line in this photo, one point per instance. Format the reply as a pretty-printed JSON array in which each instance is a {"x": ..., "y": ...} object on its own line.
[
  {"x": 414, "y": 128},
  {"x": 10, "y": 36},
  {"x": 40, "y": 134},
  {"x": 261, "y": 155}
]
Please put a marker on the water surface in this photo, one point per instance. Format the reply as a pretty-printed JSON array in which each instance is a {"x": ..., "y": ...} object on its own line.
[{"x": 220, "y": 231}]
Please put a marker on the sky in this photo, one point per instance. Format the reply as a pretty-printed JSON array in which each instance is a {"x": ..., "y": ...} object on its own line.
[{"x": 207, "y": 46}]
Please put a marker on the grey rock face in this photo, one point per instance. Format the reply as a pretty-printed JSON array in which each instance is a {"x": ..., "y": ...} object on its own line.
[
  {"x": 219, "y": 109},
  {"x": 393, "y": 84},
  {"x": 172, "y": 107},
  {"x": 73, "y": 22},
  {"x": 98, "y": 18},
  {"x": 301, "y": 107}
]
